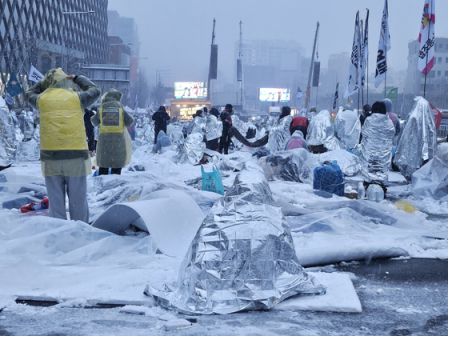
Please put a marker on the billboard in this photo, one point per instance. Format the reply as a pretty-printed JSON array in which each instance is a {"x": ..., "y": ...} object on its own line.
[
  {"x": 274, "y": 95},
  {"x": 190, "y": 90}
]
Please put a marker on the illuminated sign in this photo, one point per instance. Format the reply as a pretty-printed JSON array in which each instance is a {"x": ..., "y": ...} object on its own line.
[
  {"x": 274, "y": 95},
  {"x": 190, "y": 90}
]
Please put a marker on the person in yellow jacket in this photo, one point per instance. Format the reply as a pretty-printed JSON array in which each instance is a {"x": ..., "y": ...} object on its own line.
[
  {"x": 114, "y": 143},
  {"x": 64, "y": 152}
]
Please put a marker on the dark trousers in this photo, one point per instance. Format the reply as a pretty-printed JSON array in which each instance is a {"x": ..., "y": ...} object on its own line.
[
  {"x": 104, "y": 171},
  {"x": 225, "y": 140},
  {"x": 213, "y": 144}
]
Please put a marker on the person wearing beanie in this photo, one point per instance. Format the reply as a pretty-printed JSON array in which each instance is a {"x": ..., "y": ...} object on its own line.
[{"x": 160, "y": 118}]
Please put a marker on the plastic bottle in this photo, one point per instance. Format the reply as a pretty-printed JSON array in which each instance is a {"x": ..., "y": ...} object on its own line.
[
  {"x": 375, "y": 193},
  {"x": 361, "y": 193}
]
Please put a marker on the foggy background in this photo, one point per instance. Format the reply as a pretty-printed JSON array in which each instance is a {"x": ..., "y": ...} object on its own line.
[{"x": 175, "y": 35}]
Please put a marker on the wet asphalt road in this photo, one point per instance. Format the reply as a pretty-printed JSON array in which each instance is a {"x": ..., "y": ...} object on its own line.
[{"x": 399, "y": 297}]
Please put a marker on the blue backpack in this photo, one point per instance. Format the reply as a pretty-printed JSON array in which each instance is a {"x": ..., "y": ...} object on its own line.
[
  {"x": 329, "y": 177},
  {"x": 211, "y": 181}
]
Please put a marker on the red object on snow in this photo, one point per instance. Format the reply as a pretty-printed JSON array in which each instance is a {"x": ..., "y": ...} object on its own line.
[
  {"x": 438, "y": 116},
  {"x": 33, "y": 206}
]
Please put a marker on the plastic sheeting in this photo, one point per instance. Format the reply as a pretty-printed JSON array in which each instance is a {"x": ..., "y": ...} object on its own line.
[
  {"x": 419, "y": 139},
  {"x": 279, "y": 135},
  {"x": 294, "y": 165},
  {"x": 242, "y": 258},
  {"x": 431, "y": 179},
  {"x": 348, "y": 162},
  {"x": 348, "y": 128},
  {"x": 321, "y": 131},
  {"x": 377, "y": 143},
  {"x": 214, "y": 128},
  {"x": 174, "y": 131}
]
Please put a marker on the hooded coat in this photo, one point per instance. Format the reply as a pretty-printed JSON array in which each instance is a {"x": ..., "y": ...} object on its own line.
[{"x": 113, "y": 149}]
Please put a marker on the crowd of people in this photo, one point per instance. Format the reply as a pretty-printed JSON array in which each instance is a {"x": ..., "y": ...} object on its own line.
[{"x": 71, "y": 132}]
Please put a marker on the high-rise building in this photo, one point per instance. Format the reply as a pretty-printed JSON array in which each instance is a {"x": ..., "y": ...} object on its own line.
[
  {"x": 270, "y": 64},
  {"x": 436, "y": 84},
  {"x": 50, "y": 34}
]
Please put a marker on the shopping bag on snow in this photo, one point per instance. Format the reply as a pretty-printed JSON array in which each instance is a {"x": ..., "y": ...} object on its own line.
[{"x": 211, "y": 181}]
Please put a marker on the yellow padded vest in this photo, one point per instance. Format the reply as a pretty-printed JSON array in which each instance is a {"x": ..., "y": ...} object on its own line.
[
  {"x": 111, "y": 119},
  {"x": 62, "y": 121}
]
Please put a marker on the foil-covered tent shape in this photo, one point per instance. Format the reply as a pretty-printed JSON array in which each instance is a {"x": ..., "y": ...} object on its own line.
[
  {"x": 213, "y": 128},
  {"x": 375, "y": 148},
  {"x": 347, "y": 128},
  {"x": 192, "y": 149},
  {"x": 8, "y": 141},
  {"x": 431, "y": 179},
  {"x": 174, "y": 131},
  {"x": 418, "y": 141},
  {"x": 321, "y": 131},
  {"x": 279, "y": 135},
  {"x": 242, "y": 258}
]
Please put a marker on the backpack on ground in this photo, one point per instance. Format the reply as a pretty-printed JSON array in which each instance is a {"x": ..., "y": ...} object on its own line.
[{"x": 329, "y": 177}]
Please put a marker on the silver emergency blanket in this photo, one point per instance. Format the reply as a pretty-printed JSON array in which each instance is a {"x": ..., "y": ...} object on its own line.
[
  {"x": 242, "y": 258},
  {"x": 321, "y": 131},
  {"x": 174, "y": 131},
  {"x": 8, "y": 141},
  {"x": 192, "y": 149},
  {"x": 213, "y": 128},
  {"x": 347, "y": 128},
  {"x": 376, "y": 146},
  {"x": 198, "y": 125},
  {"x": 418, "y": 141},
  {"x": 279, "y": 135},
  {"x": 431, "y": 179},
  {"x": 28, "y": 151}
]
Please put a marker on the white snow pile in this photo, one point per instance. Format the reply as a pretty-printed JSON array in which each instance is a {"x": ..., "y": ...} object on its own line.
[{"x": 73, "y": 261}]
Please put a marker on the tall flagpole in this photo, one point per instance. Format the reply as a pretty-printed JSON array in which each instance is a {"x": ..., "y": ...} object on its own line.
[
  {"x": 210, "y": 65},
  {"x": 427, "y": 53},
  {"x": 307, "y": 101}
]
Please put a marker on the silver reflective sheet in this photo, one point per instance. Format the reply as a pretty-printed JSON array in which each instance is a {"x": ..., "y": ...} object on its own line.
[
  {"x": 214, "y": 127},
  {"x": 347, "y": 128},
  {"x": 174, "y": 131},
  {"x": 375, "y": 148},
  {"x": 418, "y": 141},
  {"x": 279, "y": 135},
  {"x": 8, "y": 138},
  {"x": 242, "y": 258},
  {"x": 194, "y": 147},
  {"x": 321, "y": 131},
  {"x": 199, "y": 124}
]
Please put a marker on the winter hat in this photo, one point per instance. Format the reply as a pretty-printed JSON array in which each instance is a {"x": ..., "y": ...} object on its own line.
[
  {"x": 229, "y": 107},
  {"x": 367, "y": 108},
  {"x": 162, "y": 108},
  {"x": 286, "y": 110},
  {"x": 379, "y": 108}
]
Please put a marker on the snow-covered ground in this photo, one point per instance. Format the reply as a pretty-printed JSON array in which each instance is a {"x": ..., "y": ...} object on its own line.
[{"x": 77, "y": 263}]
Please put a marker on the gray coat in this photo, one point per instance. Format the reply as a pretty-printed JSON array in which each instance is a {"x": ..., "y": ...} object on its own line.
[{"x": 113, "y": 149}]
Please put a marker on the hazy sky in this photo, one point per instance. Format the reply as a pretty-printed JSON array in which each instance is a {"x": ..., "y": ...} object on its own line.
[{"x": 175, "y": 35}]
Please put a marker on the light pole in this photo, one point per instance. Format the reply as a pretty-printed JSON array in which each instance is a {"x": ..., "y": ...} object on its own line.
[{"x": 65, "y": 54}]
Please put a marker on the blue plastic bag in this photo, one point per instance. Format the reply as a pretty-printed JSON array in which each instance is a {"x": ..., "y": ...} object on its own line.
[
  {"x": 329, "y": 177},
  {"x": 211, "y": 181}
]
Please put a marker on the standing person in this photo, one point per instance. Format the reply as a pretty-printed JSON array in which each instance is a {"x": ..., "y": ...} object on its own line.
[
  {"x": 366, "y": 112},
  {"x": 160, "y": 118},
  {"x": 213, "y": 130},
  {"x": 64, "y": 151},
  {"x": 114, "y": 142},
  {"x": 226, "y": 118},
  {"x": 90, "y": 134}
]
